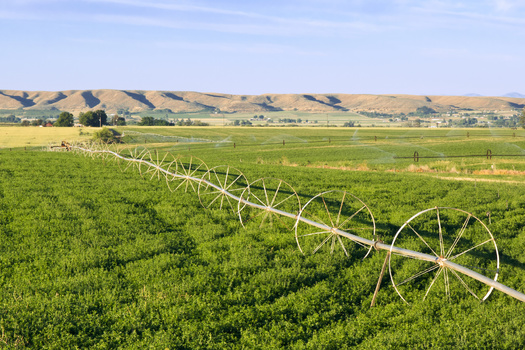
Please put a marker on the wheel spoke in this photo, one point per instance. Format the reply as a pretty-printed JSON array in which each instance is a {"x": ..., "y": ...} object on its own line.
[
  {"x": 359, "y": 243},
  {"x": 340, "y": 210},
  {"x": 218, "y": 180},
  {"x": 264, "y": 218},
  {"x": 198, "y": 167},
  {"x": 328, "y": 212},
  {"x": 181, "y": 183},
  {"x": 315, "y": 233},
  {"x": 284, "y": 200},
  {"x": 342, "y": 245},
  {"x": 255, "y": 216},
  {"x": 332, "y": 245},
  {"x": 468, "y": 250},
  {"x": 420, "y": 273},
  {"x": 357, "y": 228},
  {"x": 281, "y": 220},
  {"x": 433, "y": 281},
  {"x": 441, "y": 248},
  {"x": 237, "y": 189},
  {"x": 352, "y": 216},
  {"x": 222, "y": 201},
  {"x": 265, "y": 193},
  {"x": 275, "y": 194},
  {"x": 464, "y": 284},
  {"x": 322, "y": 243},
  {"x": 234, "y": 181},
  {"x": 458, "y": 237},
  {"x": 214, "y": 192},
  {"x": 191, "y": 161},
  {"x": 213, "y": 201},
  {"x": 447, "y": 284},
  {"x": 316, "y": 218},
  {"x": 229, "y": 202},
  {"x": 423, "y": 240},
  {"x": 130, "y": 163},
  {"x": 260, "y": 201},
  {"x": 191, "y": 184},
  {"x": 226, "y": 179}
]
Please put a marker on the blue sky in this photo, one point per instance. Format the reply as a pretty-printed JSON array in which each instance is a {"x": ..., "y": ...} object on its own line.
[{"x": 436, "y": 47}]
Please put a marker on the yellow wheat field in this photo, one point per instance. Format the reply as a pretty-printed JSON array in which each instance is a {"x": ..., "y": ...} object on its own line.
[{"x": 31, "y": 136}]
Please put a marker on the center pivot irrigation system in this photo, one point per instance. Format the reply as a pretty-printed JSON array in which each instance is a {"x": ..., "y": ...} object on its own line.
[{"x": 438, "y": 251}]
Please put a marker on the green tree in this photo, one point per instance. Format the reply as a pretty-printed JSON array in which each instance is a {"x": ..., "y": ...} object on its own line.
[
  {"x": 118, "y": 120},
  {"x": 90, "y": 118},
  {"x": 101, "y": 117},
  {"x": 65, "y": 119},
  {"x": 147, "y": 121},
  {"x": 86, "y": 119},
  {"x": 522, "y": 119},
  {"x": 425, "y": 110},
  {"x": 150, "y": 121},
  {"x": 37, "y": 122}
]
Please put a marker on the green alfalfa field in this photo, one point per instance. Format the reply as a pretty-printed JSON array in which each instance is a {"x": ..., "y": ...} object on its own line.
[{"x": 93, "y": 257}]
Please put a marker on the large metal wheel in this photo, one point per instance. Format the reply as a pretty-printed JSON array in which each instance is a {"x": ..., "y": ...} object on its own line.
[
  {"x": 269, "y": 194},
  {"x": 217, "y": 183},
  {"x": 183, "y": 171},
  {"x": 158, "y": 163},
  {"x": 133, "y": 158},
  {"x": 449, "y": 234},
  {"x": 105, "y": 152},
  {"x": 336, "y": 210}
]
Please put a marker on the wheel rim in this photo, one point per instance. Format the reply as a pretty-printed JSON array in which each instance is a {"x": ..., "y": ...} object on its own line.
[
  {"x": 337, "y": 210},
  {"x": 269, "y": 193},
  {"x": 185, "y": 168},
  {"x": 219, "y": 180},
  {"x": 448, "y": 234}
]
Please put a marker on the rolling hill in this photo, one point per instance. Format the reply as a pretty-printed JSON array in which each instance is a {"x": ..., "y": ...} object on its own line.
[{"x": 186, "y": 102}]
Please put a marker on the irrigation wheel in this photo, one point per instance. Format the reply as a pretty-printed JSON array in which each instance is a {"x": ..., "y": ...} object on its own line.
[
  {"x": 125, "y": 164},
  {"x": 159, "y": 163},
  {"x": 448, "y": 234},
  {"x": 268, "y": 194},
  {"x": 183, "y": 172},
  {"x": 75, "y": 147},
  {"x": 114, "y": 150},
  {"x": 336, "y": 210},
  {"x": 105, "y": 152},
  {"x": 215, "y": 184},
  {"x": 133, "y": 159}
]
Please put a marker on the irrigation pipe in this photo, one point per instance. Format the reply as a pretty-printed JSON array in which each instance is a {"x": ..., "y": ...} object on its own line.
[{"x": 441, "y": 261}]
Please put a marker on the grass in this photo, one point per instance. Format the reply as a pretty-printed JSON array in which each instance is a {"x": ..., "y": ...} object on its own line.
[
  {"x": 376, "y": 149},
  {"x": 96, "y": 258}
]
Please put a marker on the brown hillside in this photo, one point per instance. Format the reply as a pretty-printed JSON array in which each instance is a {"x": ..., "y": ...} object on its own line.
[{"x": 187, "y": 101}]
